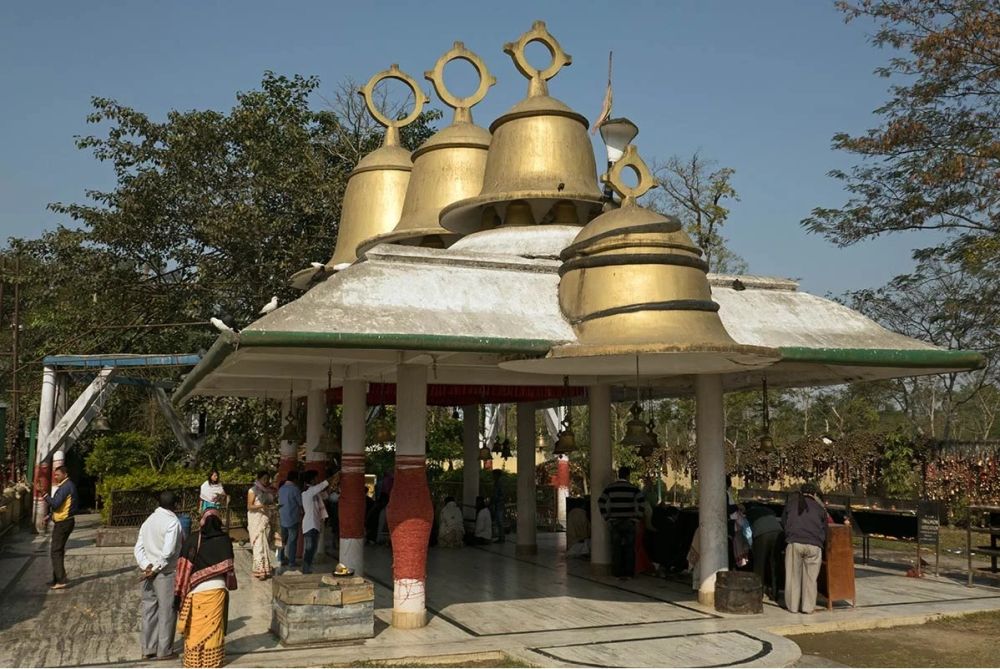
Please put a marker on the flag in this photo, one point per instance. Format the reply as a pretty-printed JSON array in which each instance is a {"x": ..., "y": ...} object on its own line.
[{"x": 606, "y": 108}]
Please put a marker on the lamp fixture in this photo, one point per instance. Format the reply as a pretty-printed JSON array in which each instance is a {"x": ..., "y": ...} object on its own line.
[
  {"x": 101, "y": 423},
  {"x": 617, "y": 134}
]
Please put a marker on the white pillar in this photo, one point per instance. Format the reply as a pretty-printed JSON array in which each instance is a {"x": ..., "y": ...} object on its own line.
[
  {"x": 527, "y": 543},
  {"x": 410, "y": 511},
  {"x": 352, "y": 480},
  {"x": 562, "y": 489},
  {"x": 470, "y": 461},
  {"x": 711, "y": 427},
  {"x": 600, "y": 475},
  {"x": 43, "y": 471}
]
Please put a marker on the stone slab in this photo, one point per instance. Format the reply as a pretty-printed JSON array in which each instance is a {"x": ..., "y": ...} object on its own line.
[
  {"x": 116, "y": 537},
  {"x": 295, "y": 624},
  {"x": 322, "y": 589}
]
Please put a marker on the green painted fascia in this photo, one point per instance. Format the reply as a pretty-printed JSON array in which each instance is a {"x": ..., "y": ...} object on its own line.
[
  {"x": 223, "y": 346},
  {"x": 876, "y": 357},
  {"x": 411, "y": 342}
]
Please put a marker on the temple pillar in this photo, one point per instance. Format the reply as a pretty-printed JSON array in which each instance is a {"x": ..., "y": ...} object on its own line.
[
  {"x": 43, "y": 468},
  {"x": 599, "y": 398},
  {"x": 410, "y": 512},
  {"x": 527, "y": 543},
  {"x": 710, "y": 426},
  {"x": 351, "y": 508},
  {"x": 470, "y": 461}
]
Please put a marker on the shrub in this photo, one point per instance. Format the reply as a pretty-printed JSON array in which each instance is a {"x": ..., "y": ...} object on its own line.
[{"x": 149, "y": 480}]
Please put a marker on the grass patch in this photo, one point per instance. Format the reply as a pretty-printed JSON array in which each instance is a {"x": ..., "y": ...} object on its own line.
[{"x": 960, "y": 641}]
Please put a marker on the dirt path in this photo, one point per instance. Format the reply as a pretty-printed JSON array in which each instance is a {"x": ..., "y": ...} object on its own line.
[{"x": 968, "y": 641}]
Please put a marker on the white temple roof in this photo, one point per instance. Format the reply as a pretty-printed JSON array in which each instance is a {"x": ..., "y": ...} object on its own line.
[{"x": 463, "y": 310}]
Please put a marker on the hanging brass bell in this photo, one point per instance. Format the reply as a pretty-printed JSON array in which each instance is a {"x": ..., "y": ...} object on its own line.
[
  {"x": 635, "y": 428},
  {"x": 633, "y": 284},
  {"x": 381, "y": 432},
  {"x": 565, "y": 442},
  {"x": 541, "y": 442},
  {"x": 291, "y": 431},
  {"x": 484, "y": 453},
  {"x": 505, "y": 452},
  {"x": 376, "y": 188},
  {"x": 652, "y": 441},
  {"x": 540, "y": 153},
  {"x": 448, "y": 167},
  {"x": 497, "y": 446},
  {"x": 328, "y": 443}
]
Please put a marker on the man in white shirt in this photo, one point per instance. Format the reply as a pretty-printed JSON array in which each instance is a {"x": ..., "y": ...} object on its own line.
[
  {"x": 156, "y": 553},
  {"x": 313, "y": 514}
]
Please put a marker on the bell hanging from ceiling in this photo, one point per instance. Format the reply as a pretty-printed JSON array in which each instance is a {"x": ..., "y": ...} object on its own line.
[
  {"x": 505, "y": 451},
  {"x": 447, "y": 168},
  {"x": 635, "y": 428},
  {"x": 540, "y": 156},
  {"x": 652, "y": 441},
  {"x": 633, "y": 284},
  {"x": 541, "y": 442},
  {"x": 376, "y": 188}
]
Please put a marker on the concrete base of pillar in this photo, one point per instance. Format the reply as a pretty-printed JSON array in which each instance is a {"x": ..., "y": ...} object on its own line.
[
  {"x": 706, "y": 597},
  {"x": 599, "y": 569},
  {"x": 409, "y": 620},
  {"x": 352, "y": 554},
  {"x": 526, "y": 550}
]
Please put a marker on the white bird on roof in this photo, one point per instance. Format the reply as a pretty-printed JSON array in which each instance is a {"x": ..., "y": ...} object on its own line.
[
  {"x": 318, "y": 265},
  {"x": 270, "y": 306},
  {"x": 219, "y": 325}
]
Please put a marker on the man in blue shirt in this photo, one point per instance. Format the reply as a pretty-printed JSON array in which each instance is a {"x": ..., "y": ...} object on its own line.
[
  {"x": 62, "y": 509},
  {"x": 290, "y": 517}
]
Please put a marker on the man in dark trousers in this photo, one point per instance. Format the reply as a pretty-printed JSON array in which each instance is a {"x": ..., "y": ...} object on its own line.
[
  {"x": 62, "y": 510},
  {"x": 622, "y": 506}
]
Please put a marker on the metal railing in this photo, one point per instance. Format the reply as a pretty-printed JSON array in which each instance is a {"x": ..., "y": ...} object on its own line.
[{"x": 129, "y": 508}]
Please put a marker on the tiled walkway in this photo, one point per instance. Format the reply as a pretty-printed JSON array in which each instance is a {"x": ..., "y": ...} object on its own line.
[{"x": 542, "y": 610}]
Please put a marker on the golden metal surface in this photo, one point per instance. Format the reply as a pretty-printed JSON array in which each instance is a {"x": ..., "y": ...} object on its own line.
[
  {"x": 540, "y": 152},
  {"x": 447, "y": 167},
  {"x": 376, "y": 188},
  {"x": 633, "y": 282}
]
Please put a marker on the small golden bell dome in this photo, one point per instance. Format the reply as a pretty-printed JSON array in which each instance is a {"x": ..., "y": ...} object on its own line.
[
  {"x": 376, "y": 188},
  {"x": 632, "y": 284},
  {"x": 540, "y": 152},
  {"x": 448, "y": 167}
]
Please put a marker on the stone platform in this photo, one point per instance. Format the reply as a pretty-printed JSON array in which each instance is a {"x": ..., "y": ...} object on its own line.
[
  {"x": 541, "y": 610},
  {"x": 315, "y": 608}
]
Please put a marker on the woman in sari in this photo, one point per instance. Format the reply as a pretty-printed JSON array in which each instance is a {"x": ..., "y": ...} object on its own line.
[
  {"x": 260, "y": 503},
  {"x": 205, "y": 574}
]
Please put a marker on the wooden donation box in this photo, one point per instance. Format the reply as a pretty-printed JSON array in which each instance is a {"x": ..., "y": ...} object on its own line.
[
  {"x": 306, "y": 608},
  {"x": 836, "y": 576}
]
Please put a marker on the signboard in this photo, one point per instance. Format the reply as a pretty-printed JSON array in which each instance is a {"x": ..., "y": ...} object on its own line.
[{"x": 929, "y": 528}]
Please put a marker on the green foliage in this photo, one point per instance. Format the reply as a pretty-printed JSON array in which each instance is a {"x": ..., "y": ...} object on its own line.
[
  {"x": 899, "y": 473},
  {"x": 171, "y": 479},
  {"x": 932, "y": 163},
  {"x": 118, "y": 454}
]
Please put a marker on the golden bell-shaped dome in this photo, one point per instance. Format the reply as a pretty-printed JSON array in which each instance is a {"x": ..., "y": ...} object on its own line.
[
  {"x": 376, "y": 188},
  {"x": 540, "y": 154},
  {"x": 448, "y": 167},
  {"x": 633, "y": 284}
]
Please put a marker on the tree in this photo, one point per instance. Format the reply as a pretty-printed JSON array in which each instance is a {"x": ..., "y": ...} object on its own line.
[
  {"x": 117, "y": 454},
  {"x": 954, "y": 306},
  {"x": 934, "y": 161},
  {"x": 210, "y": 214},
  {"x": 694, "y": 191}
]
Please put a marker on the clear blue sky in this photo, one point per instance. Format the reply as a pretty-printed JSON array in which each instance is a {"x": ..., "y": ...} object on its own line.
[{"x": 758, "y": 86}]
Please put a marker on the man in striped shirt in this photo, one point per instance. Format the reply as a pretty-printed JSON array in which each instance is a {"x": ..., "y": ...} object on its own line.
[{"x": 622, "y": 506}]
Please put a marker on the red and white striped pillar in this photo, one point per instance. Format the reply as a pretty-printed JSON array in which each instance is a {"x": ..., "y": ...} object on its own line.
[
  {"x": 43, "y": 466},
  {"x": 352, "y": 478},
  {"x": 410, "y": 513}
]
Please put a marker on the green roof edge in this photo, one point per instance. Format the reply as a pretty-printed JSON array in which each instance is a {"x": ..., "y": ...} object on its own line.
[
  {"x": 428, "y": 342},
  {"x": 917, "y": 358},
  {"x": 220, "y": 350}
]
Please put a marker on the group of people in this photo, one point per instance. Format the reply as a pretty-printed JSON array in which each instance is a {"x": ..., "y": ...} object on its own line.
[
  {"x": 489, "y": 525},
  {"x": 644, "y": 538}
]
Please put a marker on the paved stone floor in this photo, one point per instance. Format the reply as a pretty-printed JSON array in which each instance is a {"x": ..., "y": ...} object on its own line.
[{"x": 543, "y": 610}]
